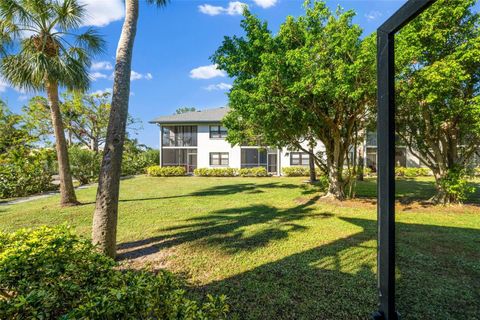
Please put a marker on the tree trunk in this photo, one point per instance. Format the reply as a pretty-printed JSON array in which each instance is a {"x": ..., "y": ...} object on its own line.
[
  {"x": 104, "y": 229},
  {"x": 311, "y": 162},
  {"x": 361, "y": 161},
  {"x": 67, "y": 192},
  {"x": 336, "y": 186}
]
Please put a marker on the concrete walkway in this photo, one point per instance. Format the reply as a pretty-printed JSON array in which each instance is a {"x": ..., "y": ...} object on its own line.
[{"x": 38, "y": 196}]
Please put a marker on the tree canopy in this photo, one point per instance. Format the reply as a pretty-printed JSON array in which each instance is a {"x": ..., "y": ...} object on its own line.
[
  {"x": 438, "y": 74},
  {"x": 313, "y": 80}
]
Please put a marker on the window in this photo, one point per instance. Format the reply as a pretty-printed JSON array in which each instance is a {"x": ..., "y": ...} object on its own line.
[
  {"x": 219, "y": 158},
  {"x": 179, "y": 136},
  {"x": 218, "y": 132},
  {"x": 176, "y": 157},
  {"x": 253, "y": 157},
  {"x": 299, "y": 159}
]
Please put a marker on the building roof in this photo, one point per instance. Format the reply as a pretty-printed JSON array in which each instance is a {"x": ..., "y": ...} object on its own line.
[{"x": 207, "y": 115}]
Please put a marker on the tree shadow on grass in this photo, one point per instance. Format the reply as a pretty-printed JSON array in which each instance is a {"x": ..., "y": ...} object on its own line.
[
  {"x": 223, "y": 190},
  {"x": 437, "y": 268},
  {"x": 226, "y": 228}
]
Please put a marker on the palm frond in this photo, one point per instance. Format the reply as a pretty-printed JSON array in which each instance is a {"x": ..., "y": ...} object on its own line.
[
  {"x": 158, "y": 3},
  {"x": 91, "y": 41},
  {"x": 69, "y": 14},
  {"x": 53, "y": 52}
]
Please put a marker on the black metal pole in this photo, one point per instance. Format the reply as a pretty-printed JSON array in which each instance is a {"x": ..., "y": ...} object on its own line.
[
  {"x": 386, "y": 153},
  {"x": 386, "y": 175}
]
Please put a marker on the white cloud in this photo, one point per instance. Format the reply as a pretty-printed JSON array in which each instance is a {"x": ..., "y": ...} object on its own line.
[
  {"x": 234, "y": 8},
  {"x": 23, "y": 97},
  {"x": 207, "y": 72},
  {"x": 101, "y": 12},
  {"x": 265, "y": 3},
  {"x": 134, "y": 75},
  {"x": 97, "y": 75},
  {"x": 102, "y": 65},
  {"x": 219, "y": 86},
  {"x": 3, "y": 85},
  {"x": 103, "y": 91},
  {"x": 373, "y": 15}
]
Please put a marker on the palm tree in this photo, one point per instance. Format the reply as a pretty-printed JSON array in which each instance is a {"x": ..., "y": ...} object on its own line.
[
  {"x": 104, "y": 231},
  {"x": 39, "y": 52}
]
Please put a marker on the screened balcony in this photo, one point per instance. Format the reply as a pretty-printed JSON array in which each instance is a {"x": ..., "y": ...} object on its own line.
[{"x": 179, "y": 136}]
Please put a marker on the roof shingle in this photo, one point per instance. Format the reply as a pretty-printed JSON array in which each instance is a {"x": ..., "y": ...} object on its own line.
[{"x": 208, "y": 115}]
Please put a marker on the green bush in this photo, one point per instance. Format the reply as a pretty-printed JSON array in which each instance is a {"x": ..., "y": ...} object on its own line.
[
  {"x": 50, "y": 273},
  {"x": 84, "y": 164},
  {"x": 216, "y": 172},
  {"x": 137, "y": 158},
  {"x": 27, "y": 173},
  {"x": 411, "y": 172},
  {"x": 253, "y": 172},
  {"x": 455, "y": 186},
  {"x": 300, "y": 171},
  {"x": 157, "y": 171}
]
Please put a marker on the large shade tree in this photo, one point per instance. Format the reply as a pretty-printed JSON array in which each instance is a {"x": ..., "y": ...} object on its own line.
[
  {"x": 313, "y": 80},
  {"x": 104, "y": 231},
  {"x": 438, "y": 87},
  {"x": 41, "y": 51}
]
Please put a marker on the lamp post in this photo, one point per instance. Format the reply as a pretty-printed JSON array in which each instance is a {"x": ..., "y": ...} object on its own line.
[{"x": 386, "y": 153}]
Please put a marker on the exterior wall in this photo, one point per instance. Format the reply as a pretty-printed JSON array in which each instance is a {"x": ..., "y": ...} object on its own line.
[
  {"x": 285, "y": 153},
  {"x": 207, "y": 145}
]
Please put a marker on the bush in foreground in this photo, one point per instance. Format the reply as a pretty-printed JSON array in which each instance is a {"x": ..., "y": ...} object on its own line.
[
  {"x": 157, "y": 171},
  {"x": 253, "y": 172},
  {"x": 50, "y": 273},
  {"x": 216, "y": 172}
]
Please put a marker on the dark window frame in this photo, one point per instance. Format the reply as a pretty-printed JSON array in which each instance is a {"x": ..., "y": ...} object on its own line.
[
  {"x": 220, "y": 159},
  {"x": 218, "y": 133},
  {"x": 301, "y": 157}
]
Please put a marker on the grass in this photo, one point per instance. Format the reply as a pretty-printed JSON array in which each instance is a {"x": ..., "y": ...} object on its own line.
[{"x": 279, "y": 251}]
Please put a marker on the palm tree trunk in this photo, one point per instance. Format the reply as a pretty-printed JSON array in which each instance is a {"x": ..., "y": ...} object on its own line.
[
  {"x": 104, "y": 231},
  {"x": 67, "y": 192}
]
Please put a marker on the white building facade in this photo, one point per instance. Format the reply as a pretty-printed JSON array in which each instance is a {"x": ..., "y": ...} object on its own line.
[{"x": 197, "y": 140}]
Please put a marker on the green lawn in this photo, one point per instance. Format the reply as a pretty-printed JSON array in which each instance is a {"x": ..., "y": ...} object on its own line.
[{"x": 279, "y": 251}]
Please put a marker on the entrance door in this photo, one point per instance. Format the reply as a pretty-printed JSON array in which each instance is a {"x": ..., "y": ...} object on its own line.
[
  {"x": 272, "y": 163},
  {"x": 191, "y": 162}
]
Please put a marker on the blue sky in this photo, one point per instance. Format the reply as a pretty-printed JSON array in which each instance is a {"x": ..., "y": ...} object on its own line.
[{"x": 171, "y": 66}]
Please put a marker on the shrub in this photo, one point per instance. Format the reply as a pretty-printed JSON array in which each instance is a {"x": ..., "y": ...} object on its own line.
[
  {"x": 216, "y": 172},
  {"x": 253, "y": 172},
  {"x": 50, "y": 273},
  {"x": 27, "y": 174},
  {"x": 84, "y": 164},
  {"x": 411, "y": 172},
  {"x": 137, "y": 158},
  {"x": 455, "y": 186},
  {"x": 157, "y": 171},
  {"x": 300, "y": 171}
]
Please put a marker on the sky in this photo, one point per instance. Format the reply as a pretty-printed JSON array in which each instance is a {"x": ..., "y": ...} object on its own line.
[{"x": 171, "y": 66}]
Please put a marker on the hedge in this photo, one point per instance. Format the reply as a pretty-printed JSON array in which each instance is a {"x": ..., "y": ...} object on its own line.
[
  {"x": 157, "y": 171},
  {"x": 50, "y": 273},
  {"x": 299, "y": 171},
  {"x": 215, "y": 172},
  {"x": 253, "y": 172},
  {"x": 412, "y": 172}
]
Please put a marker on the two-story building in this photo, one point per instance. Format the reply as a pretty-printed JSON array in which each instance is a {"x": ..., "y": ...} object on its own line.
[{"x": 197, "y": 140}]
